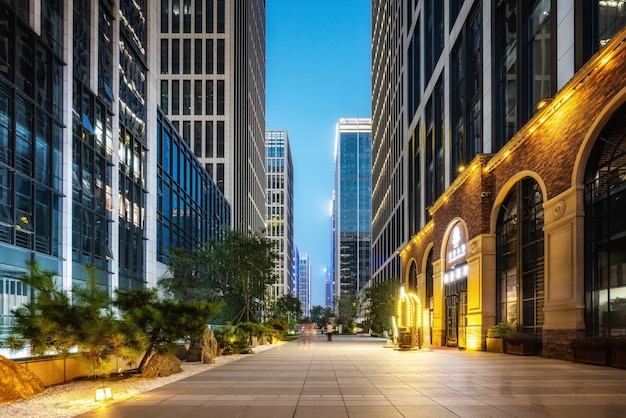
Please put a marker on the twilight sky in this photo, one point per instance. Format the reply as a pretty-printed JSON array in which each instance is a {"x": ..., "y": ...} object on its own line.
[{"x": 318, "y": 70}]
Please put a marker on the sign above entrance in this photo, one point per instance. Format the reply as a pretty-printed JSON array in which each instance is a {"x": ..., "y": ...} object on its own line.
[{"x": 456, "y": 250}]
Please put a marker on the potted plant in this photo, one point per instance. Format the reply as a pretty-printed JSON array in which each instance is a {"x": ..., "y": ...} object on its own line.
[
  {"x": 496, "y": 335},
  {"x": 592, "y": 350},
  {"x": 520, "y": 343}
]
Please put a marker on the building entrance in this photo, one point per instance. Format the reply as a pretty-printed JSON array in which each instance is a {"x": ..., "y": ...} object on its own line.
[{"x": 456, "y": 313}]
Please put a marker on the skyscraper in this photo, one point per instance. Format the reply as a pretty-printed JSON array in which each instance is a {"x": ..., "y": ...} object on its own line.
[
  {"x": 212, "y": 87},
  {"x": 304, "y": 283},
  {"x": 496, "y": 165},
  {"x": 279, "y": 209},
  {"x": 352, "y": 208}
]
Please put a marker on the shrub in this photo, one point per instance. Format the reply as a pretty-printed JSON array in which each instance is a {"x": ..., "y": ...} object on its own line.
[
  {"x": 501, "y": 330},
  {"x": 519, "y": 338},
  {"x": 232, "y": 340}
]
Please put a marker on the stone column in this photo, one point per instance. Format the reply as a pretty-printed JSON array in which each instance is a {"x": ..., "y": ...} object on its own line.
[{"x": 564, "y": 272}]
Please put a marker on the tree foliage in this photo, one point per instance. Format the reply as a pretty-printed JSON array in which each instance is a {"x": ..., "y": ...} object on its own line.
[
  {"x": 242, "y": 264},
  {"x": 54, "y": 324},
  {"x": 188, "y": 279},
  {"x": 288, "y": 307},
  {"x": 381, "y": 299},
  {"x": 320, "y": 315},
  {"x": 159, "y": 325},
  {"x": 235, "y": 270},
  {"x": 348, "y": 309}
]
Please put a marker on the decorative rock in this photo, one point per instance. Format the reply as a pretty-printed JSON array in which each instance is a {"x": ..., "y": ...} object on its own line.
[
  {"x": 17, "y": 382},
  {"x": 204, "y": 350},
  {"x": 161, "y": 365}
]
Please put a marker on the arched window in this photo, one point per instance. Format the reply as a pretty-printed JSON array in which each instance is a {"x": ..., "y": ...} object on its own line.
[
  {"x": 520, "y": 258},
  {"x": 413, "y": 277},
  {"x": 605, "y": 231},
  {"x": 429, "y": 280}
]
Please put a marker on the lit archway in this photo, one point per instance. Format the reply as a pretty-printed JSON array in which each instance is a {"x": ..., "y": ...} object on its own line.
[{"x": 408, "y": 320}]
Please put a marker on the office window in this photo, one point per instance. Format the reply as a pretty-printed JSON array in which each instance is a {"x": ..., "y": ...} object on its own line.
[
  {"x": 175, "y": 56},
  {"x": 164, "y": 96},
  {"x": 197, "y": 139},
  {"x": 221, "y": 16},
  {"x": 187, "y": 132},
  {"x": 220, "y": 97},
  {"x": 540, "y": 52},
  {"x": 187, "y": 56},
  {"x": 198, "y": 12},
  {"x": 209, "y": 56},
  {"x": 209, "y": 16},
  {"x": 165, "y": 60},
  {"x": 187, "y": 98},
  {"x": 175, "y": 97},
  {"x": 197, "y": 92},
  {"x": 208, "y": 145},
  {"x": 187, "y": 16},
  {"x": 221, "y": 59},
  {"x": 175, "y": 16},
  {"x": 198, "y": 56},
  {"x": 164, "y": 16},
  {"x": 220, "y": 139},
  {"x": 209, "y": 97}
]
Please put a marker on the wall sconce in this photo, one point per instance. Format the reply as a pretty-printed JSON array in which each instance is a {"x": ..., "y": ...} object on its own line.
[
  {"x": 103, "y": 394},
  {"x": 485, "y": 194},
  {"x": 543, "y": 102}
]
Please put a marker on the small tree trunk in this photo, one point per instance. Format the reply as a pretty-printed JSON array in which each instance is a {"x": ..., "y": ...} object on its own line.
[{"x": 145, "y": 358}]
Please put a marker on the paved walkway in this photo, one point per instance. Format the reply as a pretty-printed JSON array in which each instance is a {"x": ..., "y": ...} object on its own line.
[{"x": 357, "y": 377}]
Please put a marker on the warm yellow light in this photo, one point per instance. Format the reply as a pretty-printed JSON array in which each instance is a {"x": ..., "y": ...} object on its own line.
[
  {"x": 103, "y": 394},
  {"x": 461, "y": 168}
]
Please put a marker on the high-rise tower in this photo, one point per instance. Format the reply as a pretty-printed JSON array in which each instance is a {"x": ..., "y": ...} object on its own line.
[
  {"x": 212, "y": 86},
  {"x": 279, "y": 210},
  {"x": 352, "y": 206}
]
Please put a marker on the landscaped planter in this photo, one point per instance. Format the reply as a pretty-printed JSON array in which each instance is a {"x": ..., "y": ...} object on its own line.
[
  {"x": 526, "y": 348},
  {"x": 600, "y": 356},
  {"x": 495, "y": 345},
  {"x": 592, "y": 350},
  {"x": 618, "y": 357}
]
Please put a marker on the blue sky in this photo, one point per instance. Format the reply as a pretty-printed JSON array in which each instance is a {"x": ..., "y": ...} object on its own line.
[{"x": 318, "y": 69}]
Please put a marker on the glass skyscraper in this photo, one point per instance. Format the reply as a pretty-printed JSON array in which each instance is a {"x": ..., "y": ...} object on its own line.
[
  {"x": 90, "y": 172},
  {"x": 352, "y": 206}
]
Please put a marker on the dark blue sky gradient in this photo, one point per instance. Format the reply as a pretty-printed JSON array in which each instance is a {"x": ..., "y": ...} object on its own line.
[{"x": 318, "y": 69}]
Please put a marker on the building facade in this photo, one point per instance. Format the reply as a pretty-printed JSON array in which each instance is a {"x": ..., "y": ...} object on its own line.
[
  {"x": 304, "y": 283},
  {"x": 211, "y": 80},
  {"x": 79, "y": 178},
  {"x": 515, "y": 115},
  {"x": 279, "y": 209},
  {"x": 352, "y": 207}
]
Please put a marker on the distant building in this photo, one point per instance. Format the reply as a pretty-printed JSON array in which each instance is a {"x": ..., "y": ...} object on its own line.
[
  {"x": 279, "y": 209},
  {"x": 328, "y": 289},
  {"x": 352, "y": 212},
  {"x": 304, "y": 283},
  {"x": 211, "y": 84}
]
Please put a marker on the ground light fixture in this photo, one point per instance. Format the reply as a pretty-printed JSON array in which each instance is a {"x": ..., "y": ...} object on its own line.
[{"x": 103, "y": 394}]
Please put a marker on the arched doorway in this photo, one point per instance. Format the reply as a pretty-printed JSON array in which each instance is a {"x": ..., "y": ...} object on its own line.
[
  {"x": 455, "y": 275},
  {"x": 605, "y": 231},
  {"x": 520, "y": 258}
]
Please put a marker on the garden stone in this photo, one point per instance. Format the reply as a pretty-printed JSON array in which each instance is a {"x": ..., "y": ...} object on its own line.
[
  {"x": 161, "y": 365},
  {"x": 17, "y": 382},
  {"x": 204, "y": 350}
]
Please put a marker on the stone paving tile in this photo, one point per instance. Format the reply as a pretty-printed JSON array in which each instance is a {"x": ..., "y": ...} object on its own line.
[{"x": 357, "y": 377}]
